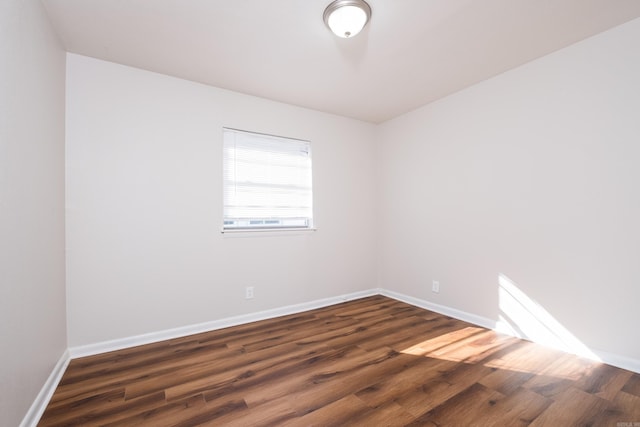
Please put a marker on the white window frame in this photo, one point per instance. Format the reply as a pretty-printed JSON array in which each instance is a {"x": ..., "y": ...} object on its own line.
[{"x": 282, "y": 167}]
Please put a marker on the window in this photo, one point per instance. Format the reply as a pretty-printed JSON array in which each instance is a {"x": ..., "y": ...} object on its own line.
[{"x": 267, "y": 182}]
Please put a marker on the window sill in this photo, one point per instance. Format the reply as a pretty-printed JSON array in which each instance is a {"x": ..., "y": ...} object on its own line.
[{"x": 267, "y": 230}]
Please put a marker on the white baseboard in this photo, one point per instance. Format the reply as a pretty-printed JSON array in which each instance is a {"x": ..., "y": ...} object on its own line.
[
  {"x": 442, "y": 309},
  {"x": 121, "y": 343},
  {"x": 38, "y": 406},
  {"x": 623, "y": 362}
]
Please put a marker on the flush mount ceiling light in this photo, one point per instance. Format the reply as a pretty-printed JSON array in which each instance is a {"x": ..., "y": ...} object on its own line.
[{"x": 346, "y": 18}]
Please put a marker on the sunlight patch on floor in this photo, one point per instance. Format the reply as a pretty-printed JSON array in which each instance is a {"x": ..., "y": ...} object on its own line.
[
  {"x": 467, "y": 345},
  {"x": 446, "y": 344}
]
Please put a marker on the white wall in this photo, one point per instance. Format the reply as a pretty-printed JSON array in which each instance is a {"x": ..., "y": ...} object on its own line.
[
  {"x": 32, "y": 288},
  {"x": 144, "y": 206},
  {"x": 533, "y": 174}
]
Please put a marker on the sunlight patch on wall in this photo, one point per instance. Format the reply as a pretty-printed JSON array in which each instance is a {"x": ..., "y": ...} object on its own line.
[{"x": 523, "y": 317}]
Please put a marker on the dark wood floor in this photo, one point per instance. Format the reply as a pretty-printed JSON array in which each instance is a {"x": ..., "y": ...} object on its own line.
[{"x": 373, "y": 362}]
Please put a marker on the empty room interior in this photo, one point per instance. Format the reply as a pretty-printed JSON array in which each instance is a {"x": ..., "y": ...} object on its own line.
[{"x": 320, "y": 212}]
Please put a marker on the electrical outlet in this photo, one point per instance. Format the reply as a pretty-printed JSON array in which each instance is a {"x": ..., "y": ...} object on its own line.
[
  {"x": 248, "y": 292},
  {"x": 435, "y": 287}
]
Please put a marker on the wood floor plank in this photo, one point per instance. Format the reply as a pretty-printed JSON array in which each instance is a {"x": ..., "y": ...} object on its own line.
[
  {"x": 604, "y": 381},
  {"x": 107, "y": 413},
  {"x": 164, "y": 415},
  {"x": 318, "y": 370},
  {"x": 347, "y": 377},
  {"x": 547, "y": 385},
  {"x": 627, "y": 405},
  {"x": 633, "y": 385},
  {"x": 504, "y": 381},
  {"x": 90, "y": 405},
  {"x": 468, "y": 407},
  {"x": 222, "y": 370},
  {"x": 372, "y": 361},
  {"x": 435, "y": 391},
  {"x": 573, "y": 408},
  {"x": 387, "y": 414},
  {"x": 134, "y": 373},
  {"x": 519, "y": 407},
  {"x": 390, "y": 388},
  {"x": 272, "y": 413},
  {"x": 253, "y": 375}
]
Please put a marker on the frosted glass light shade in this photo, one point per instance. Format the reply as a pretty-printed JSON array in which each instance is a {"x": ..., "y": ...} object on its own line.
[{"x": 346, "y": 18}]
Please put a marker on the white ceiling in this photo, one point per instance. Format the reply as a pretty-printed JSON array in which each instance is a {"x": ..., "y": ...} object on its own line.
[{"x": 411, "y": 53}]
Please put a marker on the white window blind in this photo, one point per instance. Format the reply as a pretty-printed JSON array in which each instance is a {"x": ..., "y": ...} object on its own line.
[{"x": 267, "y": 181}]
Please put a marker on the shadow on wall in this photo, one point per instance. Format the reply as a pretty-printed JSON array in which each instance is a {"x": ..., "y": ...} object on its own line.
[{"x": 523, "y": 317}]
